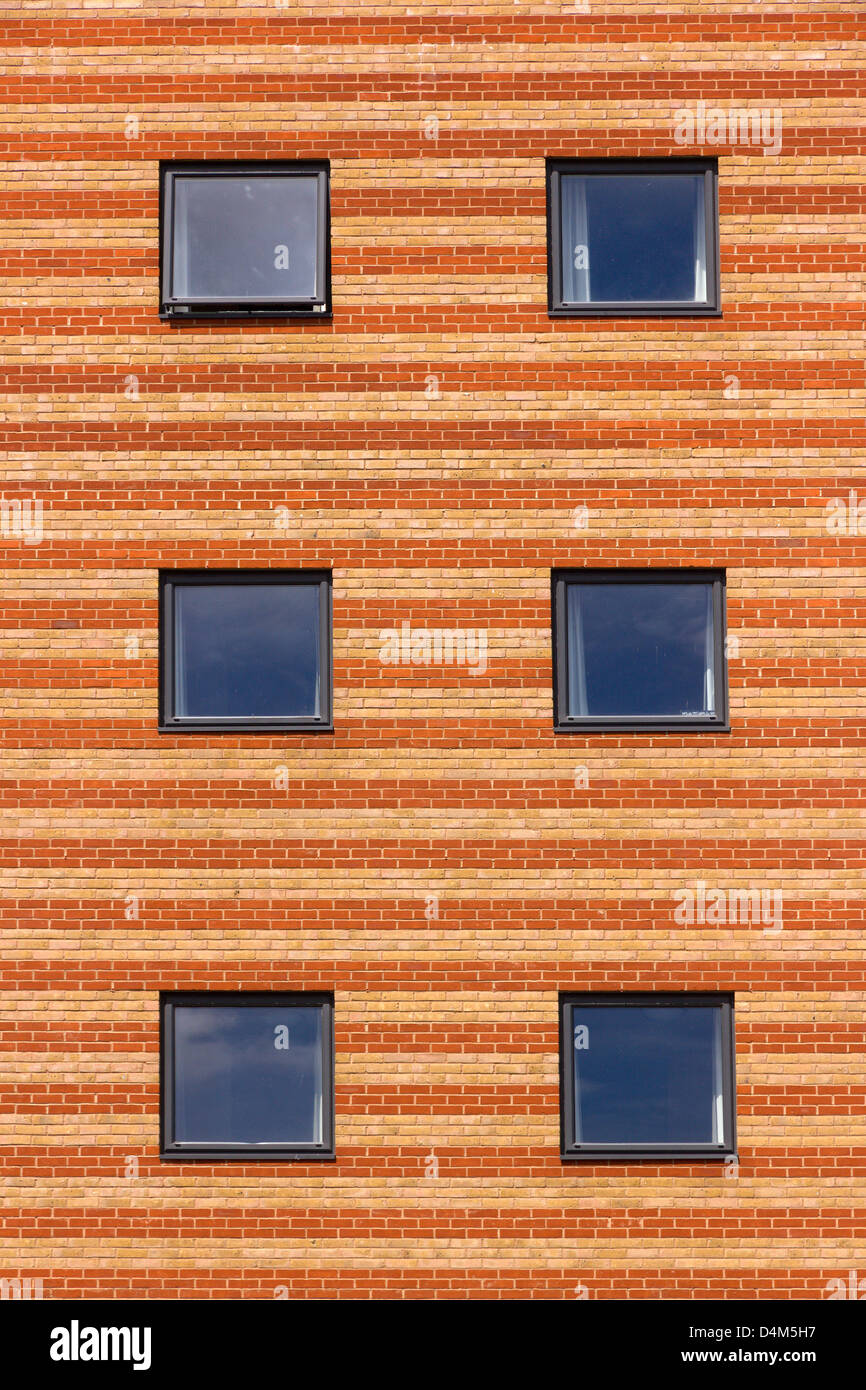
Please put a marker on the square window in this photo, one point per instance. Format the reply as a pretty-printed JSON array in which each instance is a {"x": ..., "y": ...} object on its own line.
[
  {"x": 247, "y": 1075},
  {"x": 245, "y": 239},
  {"x": 647, "y": 1076},
  {"x": 245, "y": 650},
  {"x": 633, "y": 237},
  {"x": 638, "y": 649}
]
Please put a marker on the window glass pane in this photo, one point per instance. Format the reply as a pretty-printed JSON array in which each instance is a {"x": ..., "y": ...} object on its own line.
[
  {"x": 246, "y": 651},
  {"x": 633, "y": 237},
  {"x": 640, "y": 650},
  {"x": 245, "y": 236},
  {"x": 647, "y": 1075},
  {"x": 247, "y": 1074}
]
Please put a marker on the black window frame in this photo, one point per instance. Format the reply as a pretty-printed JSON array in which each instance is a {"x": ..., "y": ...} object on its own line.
[
  {"x": 177, "y": 309},
  {"x": 557, "y": 307},
  {"x": 169, "y": 723},
  {"x": 233, "y": 1152},
  {"x": 571, "y": 1152},
  {"x": 565, "y": 724}
]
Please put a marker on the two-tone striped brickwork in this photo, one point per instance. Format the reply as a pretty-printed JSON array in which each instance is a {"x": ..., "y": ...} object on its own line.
[{"x": 443, "y": 862}]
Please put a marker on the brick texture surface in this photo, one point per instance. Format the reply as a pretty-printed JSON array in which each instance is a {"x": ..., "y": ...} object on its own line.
[{"x": 443, "y": 861}]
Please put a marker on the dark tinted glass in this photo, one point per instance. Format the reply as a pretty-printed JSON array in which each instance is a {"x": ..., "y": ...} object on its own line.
[
  {"x": 648, "y": 1075},
  {"x": 643, "y": 238},
  {"x": 236, "y": 1080},
  {"x": 246, "y": 651},
  {"x": 248, "y": 236},
  {"x": 640, "y": 650}
]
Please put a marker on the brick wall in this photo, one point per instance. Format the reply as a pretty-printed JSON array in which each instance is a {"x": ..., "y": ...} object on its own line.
[{"x": 433, "y": 444}]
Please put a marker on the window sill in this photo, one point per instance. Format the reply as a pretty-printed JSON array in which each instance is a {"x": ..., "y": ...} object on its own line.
[
  {"x": 636, "y": 1155},
  {"x": 187, "y": 315},
  {"x": 243, "y": 727},
  {"x": 247, "y": 1156},
  {"x": 643, "y": 726},
  {"x": 642, "y": 311}
]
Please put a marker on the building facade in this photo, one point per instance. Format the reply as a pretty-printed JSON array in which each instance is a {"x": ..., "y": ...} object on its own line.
[{"x": 490, "y": 889}]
